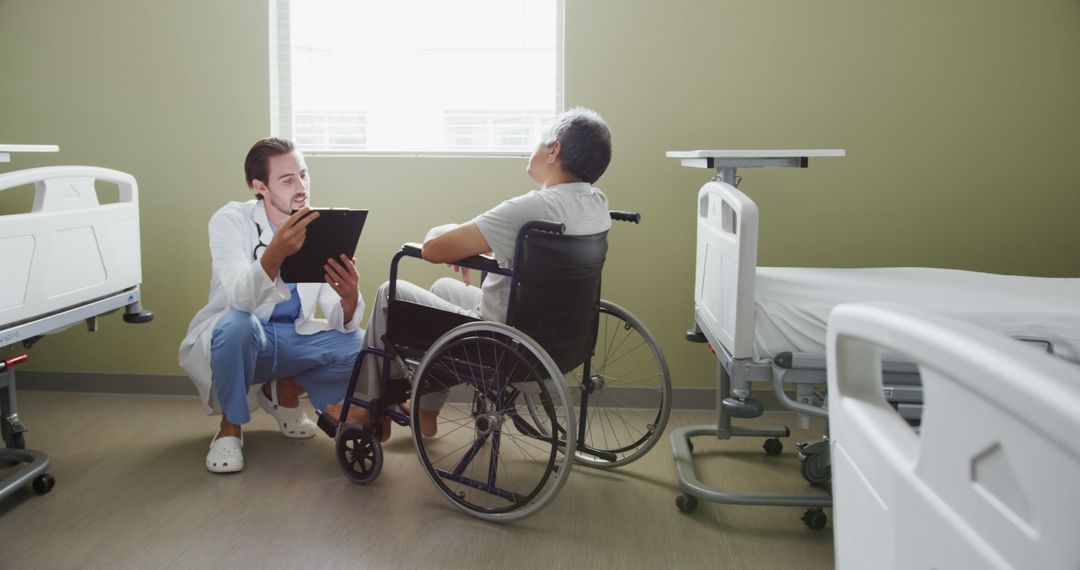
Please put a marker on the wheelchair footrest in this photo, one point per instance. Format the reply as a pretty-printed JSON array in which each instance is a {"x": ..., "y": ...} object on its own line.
[{"x": 327, "y": 424}]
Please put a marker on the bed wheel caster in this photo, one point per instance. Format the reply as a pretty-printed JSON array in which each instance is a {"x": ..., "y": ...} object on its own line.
[
  {"x": 773, "y": 447},
  {"x": 43, "y": 483},
  {"x": 694, "y": 335},
  {"x": 815, "y": 462},
  {"x": 742, "y": 408},
  {"x": 815, "y": 519},
  {"x": 138, "y": 318},
  {"x": 686, "y": 503}
]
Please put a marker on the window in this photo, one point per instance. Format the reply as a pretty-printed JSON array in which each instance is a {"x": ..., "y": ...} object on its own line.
[{"x": 415, "y": 76}]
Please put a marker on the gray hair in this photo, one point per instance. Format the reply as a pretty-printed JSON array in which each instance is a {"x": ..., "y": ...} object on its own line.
[{"x": 586, "y": 143}]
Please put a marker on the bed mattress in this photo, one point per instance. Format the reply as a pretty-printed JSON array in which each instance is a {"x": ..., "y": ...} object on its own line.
[{"x": 792, "y": 304}]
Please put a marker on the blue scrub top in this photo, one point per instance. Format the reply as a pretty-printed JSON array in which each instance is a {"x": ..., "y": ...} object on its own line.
[{"x": 286, "y": 311}]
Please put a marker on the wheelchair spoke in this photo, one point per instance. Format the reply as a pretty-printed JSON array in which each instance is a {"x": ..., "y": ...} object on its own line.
[
  {"x": 628, "y": 392},
  {"x": 469, "y": 443},
  {"x": 479, "y": 460},
  {"x": 623, "y": 373},
  {"x": 469, "y": 455},
  {"x": 527, "y": 440},
  {"x": 629, "y": 351},
  {"x": 460, "y": 426}
]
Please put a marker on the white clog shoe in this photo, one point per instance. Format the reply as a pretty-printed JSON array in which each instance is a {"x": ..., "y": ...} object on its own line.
[
  {"x": 226, "y": 454},
  {"x": 294, "y": 422}
]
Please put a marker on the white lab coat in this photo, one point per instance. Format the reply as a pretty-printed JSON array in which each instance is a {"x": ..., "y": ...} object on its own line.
[{"x": 238, "y": 281}]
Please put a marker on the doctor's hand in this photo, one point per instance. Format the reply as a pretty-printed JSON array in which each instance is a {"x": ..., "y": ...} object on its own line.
[
  {"x": 288, "y": 239},
  {"x": 344, "y": 280}
]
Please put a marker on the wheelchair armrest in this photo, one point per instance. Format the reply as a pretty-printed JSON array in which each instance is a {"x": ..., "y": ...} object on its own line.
[
  {"x": 413, "y": 250},
  {"x": 477, "y": 262},
  {"x": 481, "y": 263},
  {"x": 621, "y": 216}
]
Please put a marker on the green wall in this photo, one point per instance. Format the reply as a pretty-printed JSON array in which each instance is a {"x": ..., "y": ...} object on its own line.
[{"x": 960, "y": 120}]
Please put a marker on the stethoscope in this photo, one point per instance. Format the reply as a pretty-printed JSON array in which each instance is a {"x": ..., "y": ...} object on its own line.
[{"x": 255, "y": 252}]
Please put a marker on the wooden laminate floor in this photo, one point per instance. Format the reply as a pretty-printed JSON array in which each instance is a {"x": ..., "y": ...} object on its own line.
[{"x": 132, "y": 492}]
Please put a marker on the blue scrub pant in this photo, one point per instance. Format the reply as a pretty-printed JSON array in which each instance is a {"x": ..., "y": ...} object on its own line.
[{"x": 244, "y": 352}]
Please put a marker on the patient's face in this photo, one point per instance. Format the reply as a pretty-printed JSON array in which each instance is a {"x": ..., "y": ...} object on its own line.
[
  {"x": 538, "y": 168},
  {"x": 288, "y": 186}
]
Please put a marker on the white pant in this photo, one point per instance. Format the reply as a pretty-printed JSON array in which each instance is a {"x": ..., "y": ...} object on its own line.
[{"x": 446, "y": 294}]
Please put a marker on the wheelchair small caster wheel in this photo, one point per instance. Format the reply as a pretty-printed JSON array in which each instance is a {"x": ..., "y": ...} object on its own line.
[
  {"x": 815, "y": 468},
  {"x": 773, "y": 446},
  {"x": 815, "y": 519},
  {"x": 43, "y": 483},
  {"x": 359, "y": 453},
  {"x": 686, "y": 503}
]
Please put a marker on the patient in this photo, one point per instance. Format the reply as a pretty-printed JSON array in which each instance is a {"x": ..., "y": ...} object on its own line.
[
  {"x": 573, "y": 155},
  {"x": 257, "y": 329}
]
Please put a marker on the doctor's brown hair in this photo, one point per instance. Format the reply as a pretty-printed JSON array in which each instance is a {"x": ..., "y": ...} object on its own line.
[{"x": 256, "y": 165}]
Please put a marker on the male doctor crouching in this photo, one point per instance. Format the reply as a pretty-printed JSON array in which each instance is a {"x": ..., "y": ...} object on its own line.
[{"x": 257, "y": 329}]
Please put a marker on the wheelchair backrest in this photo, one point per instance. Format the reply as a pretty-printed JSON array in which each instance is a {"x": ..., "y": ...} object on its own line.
[{"x": 555, "y": 290}]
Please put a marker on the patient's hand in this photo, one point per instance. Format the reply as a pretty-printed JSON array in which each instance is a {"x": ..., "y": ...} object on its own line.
[{"x": 465, "y": 273}]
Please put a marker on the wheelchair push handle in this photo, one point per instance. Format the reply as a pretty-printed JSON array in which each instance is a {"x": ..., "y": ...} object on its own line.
[
  {"x": 621, "y": 216},
  {"x": 544, "y": 226}
]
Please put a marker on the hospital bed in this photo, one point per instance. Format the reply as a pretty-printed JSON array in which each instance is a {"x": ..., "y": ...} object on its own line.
[
  {"x": 69, "y": 260},
  {"x": 990, "y": 479},
  {"x": 768, "y": 325}
]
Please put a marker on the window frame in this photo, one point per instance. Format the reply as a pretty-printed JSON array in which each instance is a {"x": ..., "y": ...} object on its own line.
[{"x": 282, "y": 117}]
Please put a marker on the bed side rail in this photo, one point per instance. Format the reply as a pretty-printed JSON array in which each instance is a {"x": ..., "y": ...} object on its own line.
[
  {"x": 727, "y": 232},
  {"x": 69, "y": 249},
  {"x": 62, "y": 188},
  {"x": 990, "y": 472}
]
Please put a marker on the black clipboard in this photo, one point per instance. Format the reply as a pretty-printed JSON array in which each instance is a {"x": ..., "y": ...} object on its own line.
[{"x": 336, "y": 231}]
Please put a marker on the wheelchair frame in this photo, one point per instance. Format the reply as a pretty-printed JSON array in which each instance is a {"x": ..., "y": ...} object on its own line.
[{"x": 362, "y": 441}]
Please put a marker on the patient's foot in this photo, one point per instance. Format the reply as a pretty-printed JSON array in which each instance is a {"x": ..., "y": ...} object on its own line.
[
  {"x": 429, "y": 421},
  {"x": 288, "y": 392},
  {"x": 359, "y": 415}
]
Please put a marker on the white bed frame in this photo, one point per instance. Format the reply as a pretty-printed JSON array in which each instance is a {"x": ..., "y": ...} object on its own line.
[
  {"x": 724, "y": 300},
  {"x": 69, "y": 249},
  {"x": 990, "y": 480},
  {"x": 69, "y": 260},
  {"x": 726, "y": 268}
]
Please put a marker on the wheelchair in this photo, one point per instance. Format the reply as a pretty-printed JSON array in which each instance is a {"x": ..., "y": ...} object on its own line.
[{"x": 507, "y": 432}]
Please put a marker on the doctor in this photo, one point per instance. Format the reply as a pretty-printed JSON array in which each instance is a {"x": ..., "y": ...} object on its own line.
[{"x": 258, "y": 329}]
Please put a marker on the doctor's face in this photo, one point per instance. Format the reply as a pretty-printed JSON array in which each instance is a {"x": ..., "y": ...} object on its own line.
[{"x": 287, "y": 186}]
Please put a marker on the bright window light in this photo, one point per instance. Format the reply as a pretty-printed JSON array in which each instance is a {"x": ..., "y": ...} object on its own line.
[{"x": 415, "y": 76}]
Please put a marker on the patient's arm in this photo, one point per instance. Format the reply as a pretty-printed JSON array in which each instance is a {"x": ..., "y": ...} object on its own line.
[{"x": 458, "y": 243}]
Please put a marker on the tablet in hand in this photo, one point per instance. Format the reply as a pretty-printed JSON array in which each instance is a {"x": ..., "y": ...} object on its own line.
[{"x": 335, "y": 232}]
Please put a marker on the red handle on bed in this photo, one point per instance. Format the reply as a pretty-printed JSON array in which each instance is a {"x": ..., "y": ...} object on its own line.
[{"x": 5, "y": 364}]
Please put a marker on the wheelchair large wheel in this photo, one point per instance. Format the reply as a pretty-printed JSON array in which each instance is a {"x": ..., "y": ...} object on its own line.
[
  {"x": 629, "y": 392},
  {"x": 489, "y": 456}
]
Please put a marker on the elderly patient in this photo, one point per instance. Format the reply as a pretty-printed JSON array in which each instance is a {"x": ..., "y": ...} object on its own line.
[
  {"x": 257, "y": 329},
  {"x": 568, "y": 161}
]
